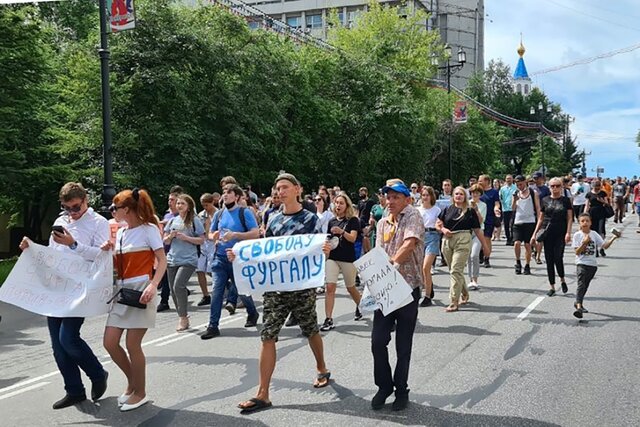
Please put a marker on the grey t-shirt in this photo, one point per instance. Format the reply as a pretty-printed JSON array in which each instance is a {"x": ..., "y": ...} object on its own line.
[{"x": 181, "y": 252}]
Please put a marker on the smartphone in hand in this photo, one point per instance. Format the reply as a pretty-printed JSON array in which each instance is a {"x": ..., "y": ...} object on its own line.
[{"x": 58, "y": 229}]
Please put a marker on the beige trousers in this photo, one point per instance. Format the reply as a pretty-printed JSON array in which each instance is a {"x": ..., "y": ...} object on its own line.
[{"x": 456, "y": 250}]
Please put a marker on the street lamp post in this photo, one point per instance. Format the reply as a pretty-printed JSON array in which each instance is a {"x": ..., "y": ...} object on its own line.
[
  {"x": 540, "y": 136},
  {"x": 450, "y": 69}
]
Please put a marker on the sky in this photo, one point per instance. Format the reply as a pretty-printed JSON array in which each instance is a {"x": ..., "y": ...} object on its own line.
[{"x": 604, "y": 95}]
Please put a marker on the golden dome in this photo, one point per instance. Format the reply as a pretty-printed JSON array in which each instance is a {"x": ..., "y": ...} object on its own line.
[{"x": 521, "y": 49}]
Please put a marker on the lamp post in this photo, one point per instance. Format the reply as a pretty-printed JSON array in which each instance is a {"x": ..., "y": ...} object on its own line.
[
  {"x": 532, "y": 111},
  {"x": 450, "y": 69}
]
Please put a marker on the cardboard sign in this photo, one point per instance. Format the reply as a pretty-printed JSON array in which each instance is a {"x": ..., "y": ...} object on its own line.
[
  {"x": 59, "y": 284},
  {"x": 384, "y": 287},
  {"x": 279, "y": 264}
]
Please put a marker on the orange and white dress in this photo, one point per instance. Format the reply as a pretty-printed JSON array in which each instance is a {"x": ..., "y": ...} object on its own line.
[{"x": 133, "y": 261}]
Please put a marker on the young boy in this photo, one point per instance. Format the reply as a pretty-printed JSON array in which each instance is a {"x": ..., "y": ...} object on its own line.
[{"x": 586, "y": 243}]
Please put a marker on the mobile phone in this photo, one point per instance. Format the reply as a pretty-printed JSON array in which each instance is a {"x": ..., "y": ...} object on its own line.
[{"x": 58, "y": 228}]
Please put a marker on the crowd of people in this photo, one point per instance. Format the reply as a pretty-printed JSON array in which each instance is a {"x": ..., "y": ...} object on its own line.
[{"x": 414, "y": 224}]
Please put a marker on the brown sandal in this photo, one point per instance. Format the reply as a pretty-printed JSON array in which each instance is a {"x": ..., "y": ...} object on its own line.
[{"x": 451, "y": 308}]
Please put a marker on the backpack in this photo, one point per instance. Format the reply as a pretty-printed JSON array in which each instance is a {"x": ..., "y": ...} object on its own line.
[
  {"x": 193, "y": 224},
  {"x": 216, "y": 219}
]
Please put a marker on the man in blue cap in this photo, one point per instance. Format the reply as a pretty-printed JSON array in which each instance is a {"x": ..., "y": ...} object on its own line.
[{"x": 401, "y": 235}]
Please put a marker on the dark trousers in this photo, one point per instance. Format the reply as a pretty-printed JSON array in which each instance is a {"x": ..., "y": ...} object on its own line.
[
  {"x": 585, "y": 274},
  {"x": 507, "y": 219},
  {"x": 599, "y": 225},
  {"x": 72, "y": 354},
  {"x": 405, "y": 320},
  {"x": 165, "y": 289},
  {"x": 577, "y": 210},
  {"x": 553, "y": 253}
]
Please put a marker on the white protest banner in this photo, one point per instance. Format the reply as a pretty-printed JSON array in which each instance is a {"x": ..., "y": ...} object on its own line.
[
  {"x": 59, "y": 284},
  {"x": 385, "y": 288},
  {"x": 279, "y": 264}
]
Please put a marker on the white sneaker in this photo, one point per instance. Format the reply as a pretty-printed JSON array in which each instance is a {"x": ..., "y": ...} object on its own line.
[
  {"x": 473, "y": 286},
  {"x": 433, "y": 270}
]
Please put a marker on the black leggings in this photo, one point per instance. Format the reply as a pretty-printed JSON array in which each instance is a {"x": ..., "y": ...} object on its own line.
[
  {"x": 599, "y": 226},
  {"x": 553, "y": 253}
]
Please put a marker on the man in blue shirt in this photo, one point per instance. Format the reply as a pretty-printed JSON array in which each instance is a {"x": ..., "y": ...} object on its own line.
[
  {"x": 227, "y": 228},
  {"x": 506, "y": 199},
  {"x": 492, "y": 199}
]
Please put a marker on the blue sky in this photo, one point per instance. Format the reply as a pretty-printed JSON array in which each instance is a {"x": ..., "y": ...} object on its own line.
[{"x": 604, "y": 95}]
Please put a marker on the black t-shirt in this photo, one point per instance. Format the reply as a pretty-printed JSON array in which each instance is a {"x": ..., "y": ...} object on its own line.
[
  {"x": 450, "y": 216},
  {"x": 555, "y": 213},
  {"x": 364, "y": 209},
  {"x": 596, "y": 207},
  {"x": 346, "y": 250}
]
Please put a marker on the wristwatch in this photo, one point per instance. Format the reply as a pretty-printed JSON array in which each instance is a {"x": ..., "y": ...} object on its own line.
[{"x": 73, "y": 246}]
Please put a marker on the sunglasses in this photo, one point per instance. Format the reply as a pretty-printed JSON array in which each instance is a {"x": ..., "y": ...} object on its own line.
[
  {"x": 318, "y": 199},
  {"x": 114, "y": 208},
  {"x": 71, "y": 209},
  {"x": 555, "y": 185}
]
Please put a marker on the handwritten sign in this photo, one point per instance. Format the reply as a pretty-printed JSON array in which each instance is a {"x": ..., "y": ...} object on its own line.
[
  {"x": 384, "y": 287},
  {"x": 279, "y": 264},
  {"x": 59, "y": 284}
]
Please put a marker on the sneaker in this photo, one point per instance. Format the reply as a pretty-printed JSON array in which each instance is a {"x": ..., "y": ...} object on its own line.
[
  {"x": 252, "y": 321},
  {"x": 426, "y": 302},
  {"x": 486, "y": 263},
  {"x": 327, "y": 325},
  {"x": 230, "y": 308},
  {"x": 602, "y": 252},
  {"x": 358, "y": 315},
  {"x": 551, "y": 292},
  {"x": 578, "y": 313},
  {"x": 473, "y": 286},
  {"x": 565, "y": 288},
  {"x": 206, "y": 300},
  {"x": 291, "y": 321},
  {"x": 320, "y": 290},
  {"x": 527, "y": 269},
  {"x": 518, "y": 268},
  {"x": 433, "y": 270},
  {"x": 163, "y": 306},
  {"x": 211, "y": 332}
]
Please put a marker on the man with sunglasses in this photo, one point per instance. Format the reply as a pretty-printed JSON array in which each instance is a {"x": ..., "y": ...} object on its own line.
[{"x": 78, "y": 230}]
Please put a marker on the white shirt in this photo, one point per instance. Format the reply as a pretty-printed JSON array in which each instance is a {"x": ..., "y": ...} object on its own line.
[
  {"x": 429, "y": 216},
  {"x": 588, "y": 257},
  {"x": 323, "y": 221},
  {"x": 525, "y": 210},
  {"x": 91, "y": 230},
  {"x": 579, "y": 192}
]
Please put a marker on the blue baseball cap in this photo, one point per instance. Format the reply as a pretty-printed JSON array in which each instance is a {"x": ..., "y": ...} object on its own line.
[{"x": 398, "y": 187}]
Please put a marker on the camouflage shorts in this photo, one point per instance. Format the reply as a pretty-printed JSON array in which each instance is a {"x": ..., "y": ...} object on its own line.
[{"x": 277, "y": 306}]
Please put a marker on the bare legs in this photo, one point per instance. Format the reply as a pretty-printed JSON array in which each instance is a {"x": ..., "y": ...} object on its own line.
[
  {"x": 429, "y": 259},
  {"x": 202, "y": 281},
  {"x": 134, "y": 365}
]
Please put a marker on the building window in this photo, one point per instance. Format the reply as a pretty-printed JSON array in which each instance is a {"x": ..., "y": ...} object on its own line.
[
  {"x": 526, "y": 89},
  {"x": 294, "y": 21},
  {"x": 519, "y": 88},
  {"x": 341, "y": 18},
  {"x": 314, "y": 21},
  {"x": 352, "y": 15}
]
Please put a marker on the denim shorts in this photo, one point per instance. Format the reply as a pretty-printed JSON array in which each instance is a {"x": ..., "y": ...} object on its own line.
[{"x": 432, "y": 243}]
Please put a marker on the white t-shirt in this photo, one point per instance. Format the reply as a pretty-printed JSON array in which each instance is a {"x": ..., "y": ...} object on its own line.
[
  {"x": 588, "y": 257},
  {"x": 429, "y": 216},
  {"x": 579, "y": 192},
  {"x": 482, "y": 208},
  {"x": 416, "y": 198}
]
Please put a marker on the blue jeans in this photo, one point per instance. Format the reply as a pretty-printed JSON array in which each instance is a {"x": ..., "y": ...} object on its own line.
[
  {"x": 221, "y": 274},
  {"x": 72, "y": 354}
]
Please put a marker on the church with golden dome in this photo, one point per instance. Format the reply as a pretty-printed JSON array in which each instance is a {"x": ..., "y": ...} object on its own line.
[{"x": 521, "y": 81}]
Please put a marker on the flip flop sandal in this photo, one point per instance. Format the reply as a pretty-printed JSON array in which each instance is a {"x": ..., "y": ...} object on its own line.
[
  {"x": 258, "y": 404},
  {"x": 320, "y": 380},
  {"x": 451, "y": 308}
]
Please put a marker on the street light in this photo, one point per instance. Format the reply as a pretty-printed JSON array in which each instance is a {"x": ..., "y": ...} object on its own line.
[
  {"x": 450, "y": 69},
  {"x": 532, "y": 111}
]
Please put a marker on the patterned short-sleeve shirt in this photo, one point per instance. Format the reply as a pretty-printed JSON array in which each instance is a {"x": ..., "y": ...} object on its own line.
[{"x": 391, "y": 234}]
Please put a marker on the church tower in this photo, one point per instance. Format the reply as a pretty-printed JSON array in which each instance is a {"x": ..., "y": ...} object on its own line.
[{"x": 521, "y": 80}]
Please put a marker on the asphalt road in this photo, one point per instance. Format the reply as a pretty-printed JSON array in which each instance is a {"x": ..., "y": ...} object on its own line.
[{"x": 513, "y": 357}]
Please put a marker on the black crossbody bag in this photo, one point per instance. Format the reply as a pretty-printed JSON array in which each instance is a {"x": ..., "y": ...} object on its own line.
[{"x": 127, "y": 296}]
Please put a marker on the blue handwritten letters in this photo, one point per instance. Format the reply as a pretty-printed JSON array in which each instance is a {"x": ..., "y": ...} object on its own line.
[{"x": 279, "y": 264}]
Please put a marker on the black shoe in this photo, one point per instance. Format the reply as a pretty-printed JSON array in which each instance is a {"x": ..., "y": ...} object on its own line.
[
  {"x": 602, "y": 253},
  {"x": 426, "y": 302},
  {"x": 443, "y": 263},
  {"x": 380, "y": 399},
  {"x": 518, "y": 267},
  {"x": 327, "y": 325},
  {"x": 210, "y": 333},
  {"x": 206, "y": 300},
  {"x": 551, "y": 292},
  {"x": 291, "y": 321},
  {"x": 163, "y": 306},
  {"x": 358, "y": 315},
  {"x": 578, "y": 313},
  {"x": 401, "y": 402},
  {"x": 565, "y": 288},
  {"x": 527, "y": 269},
  {"x": 188, "y": 292},
  {"x": 231, "y": 308},
  {"x": 486, "y": 263},
  {"x": 584, "y": 310},
  {"x": 252, "y": 321},
  {"x": 99, "y": 387},
  {"x": 67, "y": 401}
]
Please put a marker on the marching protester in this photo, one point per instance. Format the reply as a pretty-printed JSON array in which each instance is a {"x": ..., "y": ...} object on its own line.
[
  {"x": 542, "y": 190},
  {"x": 185, "y": 234},
  {"x": 579, "y": 191},
  {"x": 554, "y": 225},
  {"x": 78, "y": 230},
  {"x": 323, "y": 212},
  {"x": 377, "y": 212},
  {"x": 456, "y": 223},
  {"x": 492, "y": 199},
  {"x": 172, "y": 211},
  {"x": 228, "y": 226},
  {"x": 620, "y": 194},
  {"x": 293, "y": 219},
  {"x": 401, "y": 236},
  {"x": 474, "y": 257},
  {"x": 206, "y": 249},
  {"x": 598, "y": 202},
  {"x": 365, "y": 204},
  {"x": 525, "y": 205},
  {"x": 429, "y": 212},
  {"x": 506, "y": 193},
  {"x": 344, "y": 227},
  {"x": 586, "y": 243},
  {"x": 497, "y": 221},
  {"x": 138, "y": 247}
]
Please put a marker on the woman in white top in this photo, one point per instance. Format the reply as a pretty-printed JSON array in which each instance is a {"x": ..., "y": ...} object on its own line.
[
  {"x": 138, "y": 246},
  {"x": 525, "y": 205},
  {"x": 474, "y": 257},
  {"x": 324, "y": 215},
  {"x": 429, "y": 212}
]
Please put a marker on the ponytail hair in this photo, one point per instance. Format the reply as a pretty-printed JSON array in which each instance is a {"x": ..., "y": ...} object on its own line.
[{"x": 139, "y": 202}]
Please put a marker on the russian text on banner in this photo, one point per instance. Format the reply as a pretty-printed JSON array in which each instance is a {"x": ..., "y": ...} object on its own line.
[
  {"x": 384, "y": 287},
  {"x": 59, "y": 284},
  {"x": 279, "y": 264}
]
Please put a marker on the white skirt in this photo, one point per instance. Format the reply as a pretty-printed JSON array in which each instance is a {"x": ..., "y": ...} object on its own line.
[{"x": 125, "y": 317}]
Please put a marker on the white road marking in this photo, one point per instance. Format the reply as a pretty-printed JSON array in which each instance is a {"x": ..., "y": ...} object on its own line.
[
  {"x": 530, "y": 308},
  {"x": 29, "y": 381},
  {"x": 185, "y": 334},
  {"x": 14, "y": 393}
]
